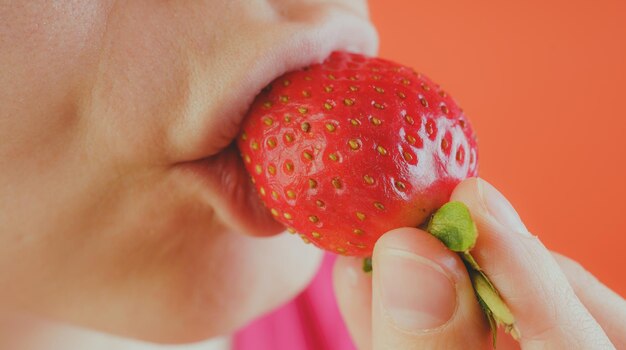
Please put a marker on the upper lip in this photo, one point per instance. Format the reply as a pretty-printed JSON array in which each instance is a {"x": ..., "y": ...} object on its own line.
[
  {"x": 237, "y": 204},
  {"x": 337, "y": 29},
  {"x": 338, "y": 32}
]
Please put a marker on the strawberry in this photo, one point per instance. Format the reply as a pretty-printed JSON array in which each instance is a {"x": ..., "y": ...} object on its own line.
[{"x": 348, "y": 149}]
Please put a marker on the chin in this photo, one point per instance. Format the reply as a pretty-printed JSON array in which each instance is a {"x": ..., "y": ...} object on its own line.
[{"x": 245, "y": 278}]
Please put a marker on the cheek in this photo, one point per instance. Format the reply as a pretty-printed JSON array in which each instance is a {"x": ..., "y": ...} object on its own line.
[{"x": 47, "y": 49}]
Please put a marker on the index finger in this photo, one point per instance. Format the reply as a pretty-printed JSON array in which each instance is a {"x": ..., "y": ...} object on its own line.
[{"x": 549, "y": 314}]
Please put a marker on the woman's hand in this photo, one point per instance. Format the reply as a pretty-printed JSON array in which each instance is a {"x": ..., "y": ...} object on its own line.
[{"x": 420, "y": 296}]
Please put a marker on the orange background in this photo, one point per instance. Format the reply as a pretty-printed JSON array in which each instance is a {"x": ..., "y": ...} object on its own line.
[{"x": 544, "y": 84}]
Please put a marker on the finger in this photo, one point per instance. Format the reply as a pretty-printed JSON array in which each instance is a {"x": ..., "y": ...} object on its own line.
[
  {"x": 606, "y": 306},
  {"x": 548, "y": 313},
  {"x": 353, "y": 289},
  {"x": 422, "y": 297}
]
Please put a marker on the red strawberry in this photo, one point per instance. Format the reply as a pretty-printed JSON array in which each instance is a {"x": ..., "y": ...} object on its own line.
[{"x": 346, "y": 150}]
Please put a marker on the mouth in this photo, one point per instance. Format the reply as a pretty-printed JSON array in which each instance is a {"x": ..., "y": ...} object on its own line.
[{"x": 215, "y": 162}]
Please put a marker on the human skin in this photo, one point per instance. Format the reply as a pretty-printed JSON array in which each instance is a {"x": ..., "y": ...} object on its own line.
[{"x": 123, "y": 205}]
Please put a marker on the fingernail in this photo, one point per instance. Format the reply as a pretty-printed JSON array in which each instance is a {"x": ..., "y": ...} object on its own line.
[
  {"x": 415, "y": 291},
  {"x": 500, "y": 208}
]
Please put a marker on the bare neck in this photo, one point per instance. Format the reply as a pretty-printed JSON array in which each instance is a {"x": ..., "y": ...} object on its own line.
[{"x": 19, "y": 332}]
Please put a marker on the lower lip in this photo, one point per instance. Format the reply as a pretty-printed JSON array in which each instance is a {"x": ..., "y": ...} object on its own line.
[{"x": 225, "y": 185}]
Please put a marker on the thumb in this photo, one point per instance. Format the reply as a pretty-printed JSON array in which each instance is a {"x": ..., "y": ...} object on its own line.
[{"x": 422, "y": 297}]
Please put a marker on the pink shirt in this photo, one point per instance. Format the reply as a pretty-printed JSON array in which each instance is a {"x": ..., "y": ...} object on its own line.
[{"x": 309, "y": 322}]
